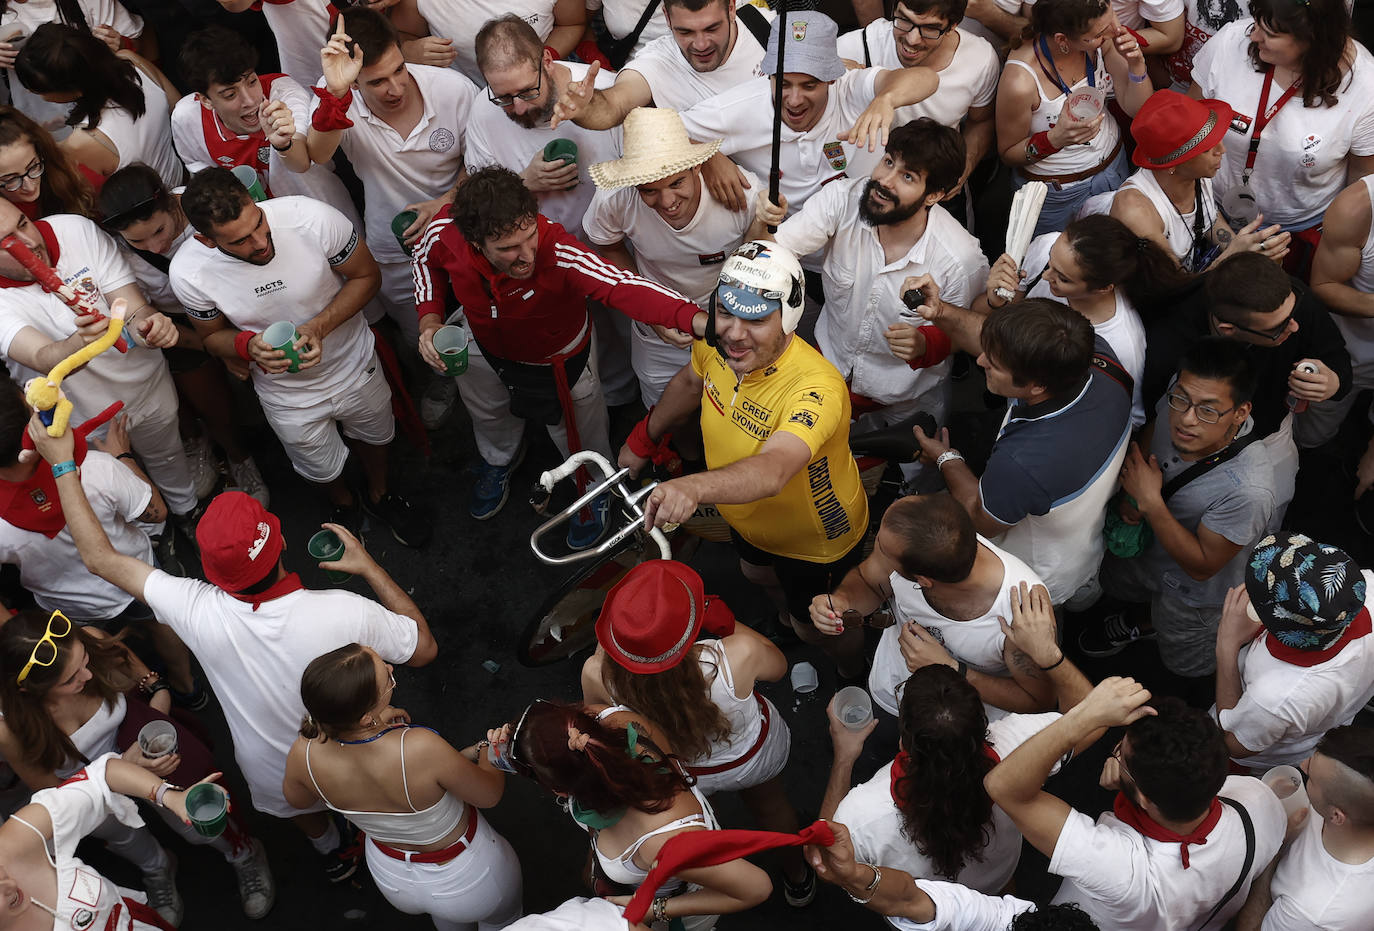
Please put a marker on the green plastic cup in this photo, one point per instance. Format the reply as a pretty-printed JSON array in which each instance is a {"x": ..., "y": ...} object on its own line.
[
  {"x": 207, "y": 805},
  {"x": 399, "y": 224},
  {"x": 564, "y": 150},
  {"x": 451, "y": 342},
  {"x": 282, "y": 335},
  {"x": 326, "y": 546},
  {"x": 248, "y": 177}
]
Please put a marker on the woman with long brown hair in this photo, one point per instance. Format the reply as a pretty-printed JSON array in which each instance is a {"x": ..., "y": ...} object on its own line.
[
  {"x": 35, "y": 174},
  {"x": 66, "y": 693}
]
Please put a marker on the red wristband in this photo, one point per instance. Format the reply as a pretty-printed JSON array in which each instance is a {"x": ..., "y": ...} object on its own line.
[
  {"x": 332, "y": 113},
  {"x": 938, "y": 347},
  {"x": 241, "y": 344},
  {"x": 1041, "y": 143},
  {"x": 644, "y": 446}
]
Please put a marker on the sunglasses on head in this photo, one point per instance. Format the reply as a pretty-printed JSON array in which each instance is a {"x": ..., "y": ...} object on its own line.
[{"x": 45, "y": 650}]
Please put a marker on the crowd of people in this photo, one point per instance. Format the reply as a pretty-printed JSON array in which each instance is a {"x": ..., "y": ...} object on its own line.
[{"x": 1116, "y": 213}]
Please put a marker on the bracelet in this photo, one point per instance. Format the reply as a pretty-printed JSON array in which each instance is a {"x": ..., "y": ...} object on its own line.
[
  {"x": 62, "y": 468},
  {"x": 1138, "y": 80},
  {"x": 146, "y": 680},
  {"x": 1055, "y": 664},
  {"x": 949, "y": 455},
  {"x": 132, "y": 458},
  {"x": 962, "y": 670},
  {"x": 157, "y": 687},
  {"x": 660, "y": 909},
  {"x": 241, "y": 344},
  {"x": 285, "y": 148},
  {"x": 871, "y": 888}
]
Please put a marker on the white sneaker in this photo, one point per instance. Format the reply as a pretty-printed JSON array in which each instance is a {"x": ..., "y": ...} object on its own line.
[
  {"x": 257, "y": 889},
  {"x": 437, "y": 401},
  {"x": 163, "y": 897},
  {"x": 204, "y": 469},
  {"x": 246, "y": 477}
]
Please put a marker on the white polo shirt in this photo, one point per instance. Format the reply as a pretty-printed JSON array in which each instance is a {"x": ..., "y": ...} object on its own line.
[
  {"x": 51, "y": 568},
  {"x": 301, "y": 28},
  {"x": 462, "y": 21},
  {"x": 311, "y": 239},
  {"x": 254, "y": 660},
  {"x": 875, "y": 824},
  {"x": 1313, "y": 891},
  {"x": 397, "y": 171},
  {"x": 677, "y": 85},
  {"x": 978, "y": 641},
  {"x": 90, "y": 262},
  {"x": 1128, "y": 882},
  {"x": 864, "y": 290},
  {"x": 1285, "y": 709},
  {"x": 495, "y": 139},
  {"x": 968, "y": 81},
  {"x": 1135, "y": 14},
  {"x": 743, "y": 117}
]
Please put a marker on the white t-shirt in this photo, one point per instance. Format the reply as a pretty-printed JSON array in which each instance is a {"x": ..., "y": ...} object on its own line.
[
  {"x": 1285, "y": 709},
  {"x": 1135, "y": 14},
  {"x": 1313, "y": 891},
  {"x": 1301, "y": 164},
  {"x": 875, "y": 824},
  {"x": 254, "y": 660},
  {"x": 462, "y": 21},
  {"x": 677, "y": 85},
  {"x": 742, "y": 117},
  {"x": 301, "y": 28},
  {"x": 1128, "y": 882},
  {"x": 91, "y": 262},
  {"x": 978, "y": 641},
  {"x": 311, "y": 239},
  {"x": 495, "y": 139},
  {"x": 51, "y": 568},
  {"x": 1124, "y": 332},
  {"x": 969, "y": 80},
  {"x": 147, "y": 139},
  {"x": 864, "y": 290},
  {"x": 423, "y": 165},
  {"x": 621, "y": 16},
  {"x": 959, "y": 908}
]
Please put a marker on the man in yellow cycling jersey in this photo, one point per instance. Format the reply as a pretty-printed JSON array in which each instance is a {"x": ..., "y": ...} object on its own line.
[{"x": 775, "y": 423}]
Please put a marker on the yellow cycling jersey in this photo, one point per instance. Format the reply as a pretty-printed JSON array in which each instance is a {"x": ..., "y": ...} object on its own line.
[{"x": 822, "y": 512}]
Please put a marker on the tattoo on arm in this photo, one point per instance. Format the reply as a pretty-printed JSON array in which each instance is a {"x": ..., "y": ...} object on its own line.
[{"x": 1026, "y": 665}]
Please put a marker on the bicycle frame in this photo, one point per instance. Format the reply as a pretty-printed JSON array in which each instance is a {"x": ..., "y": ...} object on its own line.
[{"x": 613, "y": 481}]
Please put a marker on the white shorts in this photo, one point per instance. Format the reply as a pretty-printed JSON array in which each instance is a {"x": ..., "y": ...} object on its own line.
[
  {"x": 481, "y": 885},
  {"x": 309, "y": 433},
  {"x": 759, "y": 768}
]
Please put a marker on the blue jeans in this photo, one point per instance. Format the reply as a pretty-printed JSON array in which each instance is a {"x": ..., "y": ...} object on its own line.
[{"x": 1062, "y": 202}]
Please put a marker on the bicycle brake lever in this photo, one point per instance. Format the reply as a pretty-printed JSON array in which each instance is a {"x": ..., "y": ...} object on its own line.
[{"x": 540, "y": 498}]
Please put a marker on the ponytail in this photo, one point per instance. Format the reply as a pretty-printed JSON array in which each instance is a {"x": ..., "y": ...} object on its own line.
[{"x": 1110, "y": 253}]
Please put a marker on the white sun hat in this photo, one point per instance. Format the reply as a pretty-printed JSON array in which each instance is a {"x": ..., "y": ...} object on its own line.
[{"x": 656, "y": 146}]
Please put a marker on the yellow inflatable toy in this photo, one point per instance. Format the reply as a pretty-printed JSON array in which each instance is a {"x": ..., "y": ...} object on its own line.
[{"x": 45, "y": 394}]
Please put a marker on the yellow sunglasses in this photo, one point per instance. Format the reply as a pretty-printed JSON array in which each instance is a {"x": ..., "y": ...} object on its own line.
[{"x": 46, "y": 646}]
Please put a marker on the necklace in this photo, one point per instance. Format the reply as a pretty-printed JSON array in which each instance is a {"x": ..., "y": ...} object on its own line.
[{"x": 368, "y": 740}]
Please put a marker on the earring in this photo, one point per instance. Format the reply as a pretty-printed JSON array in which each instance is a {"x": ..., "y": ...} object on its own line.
[
  {"x": 373, "y": 722},
  {"x": 1063, "y": 49}
]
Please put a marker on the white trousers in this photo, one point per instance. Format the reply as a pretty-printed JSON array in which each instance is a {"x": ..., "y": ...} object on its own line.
[
  {"x": 764, "y": 765},
  {"x": 154, "y": 435}
]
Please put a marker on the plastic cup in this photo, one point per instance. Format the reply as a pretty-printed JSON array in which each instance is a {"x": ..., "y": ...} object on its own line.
[
  {"x": 157, "y": 739},
  {"x": 561, "y": 149},
  {"x": 399, "y": 224},
  {"x": 1286, "y": 783},
  {"x": 804, "y": 678},
  {"x": 853, "y": 707},
  {"x": 1085, "y": 104},
  {"x": 451, "y": 342},
  {"x": 207, "y": 805},
  {"x": 248, "y": 177},
  {"x": 282, "y": 335},
  {"x": 326, "y": 546}
]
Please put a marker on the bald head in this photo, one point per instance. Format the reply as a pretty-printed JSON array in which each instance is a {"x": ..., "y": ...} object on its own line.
[
  {"x": 1341, "y": 774},
  {"x": 506, "y": 42}
]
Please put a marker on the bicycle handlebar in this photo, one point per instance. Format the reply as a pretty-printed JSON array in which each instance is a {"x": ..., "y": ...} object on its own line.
[{"x": 612, "y": 480}]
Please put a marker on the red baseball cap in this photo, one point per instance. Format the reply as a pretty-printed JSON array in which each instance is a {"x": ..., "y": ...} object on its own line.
[
  {"x": 240, "y": 541},
  {"x": 652, "y": 616},
  {"x": 1172, "y": 128}
]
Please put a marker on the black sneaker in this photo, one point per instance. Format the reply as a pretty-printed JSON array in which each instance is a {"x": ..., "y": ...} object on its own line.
[
  {"x": 408, "y": 525},
  {"x": 1113, "y": 635},
  {"x": 348, "y": 516},
  {"x": 800, "y": 895},
  {"x": 342, "y": 862}
]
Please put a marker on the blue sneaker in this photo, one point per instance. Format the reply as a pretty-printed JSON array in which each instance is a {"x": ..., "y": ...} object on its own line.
[
  {"x": 588, "y": 531},
  {"x": 491, "y": 489}
]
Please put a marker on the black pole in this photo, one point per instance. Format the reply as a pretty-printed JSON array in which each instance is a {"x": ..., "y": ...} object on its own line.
[{"x": 773, "y": 172}]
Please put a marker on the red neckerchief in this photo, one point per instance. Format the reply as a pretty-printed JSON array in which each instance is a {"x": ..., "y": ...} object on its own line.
[
  {"x": 34, "y": 503},
  {"x": 27, "y": 208},
  {"x": 50, "y": 241},
  {"x": 902, "y": 762},
  {"x": 1133, "y": 816},
  {"x": 1358, "y": 628},
  {"x": 227, "y": 148},
  {"x": 288, "y": 584}
]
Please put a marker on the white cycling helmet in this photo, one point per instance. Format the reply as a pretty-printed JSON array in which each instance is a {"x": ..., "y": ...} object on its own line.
[{"x": 760, "y": 278}]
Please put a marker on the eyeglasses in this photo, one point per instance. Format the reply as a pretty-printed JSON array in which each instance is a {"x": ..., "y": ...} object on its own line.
[
  {"x": 1121, "y": 760},
  {"x": 390, "y": 686},
  {"x": 508, "y": 100},
  {"x": 901, "y": 25},
  {"x": 1205, "y": 412},
  {"x": 45, "y": 650},
  {"x": 15, "y": 182},
  {"x": 1273, "y": 335}
]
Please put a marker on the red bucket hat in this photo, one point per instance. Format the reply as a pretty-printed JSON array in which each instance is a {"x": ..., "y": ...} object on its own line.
[
  {"x": 240, "y": 541},
  {"x": 1171, "y": 128},
  {"x": 652, "y": 616}
]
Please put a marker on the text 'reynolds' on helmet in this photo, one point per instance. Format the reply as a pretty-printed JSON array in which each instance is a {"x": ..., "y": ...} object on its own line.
[{"x": 760, "y": 278}]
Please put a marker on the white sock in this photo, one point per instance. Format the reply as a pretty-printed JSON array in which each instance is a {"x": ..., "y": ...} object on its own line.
[{"x": 327, "y": 842}]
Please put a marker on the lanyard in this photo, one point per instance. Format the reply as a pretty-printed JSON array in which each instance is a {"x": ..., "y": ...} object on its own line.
[
  {"x": 1090, "y": 72},
  {"x": 1263, "y": 115}
]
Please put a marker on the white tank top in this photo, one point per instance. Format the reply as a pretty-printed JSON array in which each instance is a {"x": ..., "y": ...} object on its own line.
[
  {"x": 743, "y": 713},
  {"x": 1178, "y": 227},
  {"x": 96, "y": 737},
  {"x": 147, "y": 139},
  {"x": 1359, "y": 331},
  {"x": 1075, "y": 158}
]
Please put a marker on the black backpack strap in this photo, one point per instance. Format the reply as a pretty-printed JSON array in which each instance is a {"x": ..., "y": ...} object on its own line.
[
  {"x": 619, "y": 50},
  {"x": 868, "y": 57},
  {"x": 754, "y": 20},
  {"x": 1203, "y": 466},
  {"x": 1249, "y": 859},
  {"x": 1115, "y": 371}
]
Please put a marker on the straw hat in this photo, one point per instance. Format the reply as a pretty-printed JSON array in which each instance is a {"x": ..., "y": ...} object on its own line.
[{"x": 656, "y": 146}]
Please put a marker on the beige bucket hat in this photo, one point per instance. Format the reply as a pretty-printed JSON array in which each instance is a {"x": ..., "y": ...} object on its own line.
[{"x": 656, "y": 146}]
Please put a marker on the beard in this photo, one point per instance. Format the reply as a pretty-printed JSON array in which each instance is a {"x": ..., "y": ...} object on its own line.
[
  {"x": 897, "y": 212},
  {"x": 533, "y": 119}
]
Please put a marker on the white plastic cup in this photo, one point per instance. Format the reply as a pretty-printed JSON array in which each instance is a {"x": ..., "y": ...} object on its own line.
[
  {"x": 157, "y": 739},
  {"x": 804, "y": 678},
  {"x": 1286, "y": 783},
  {"x": 853, "y": 707},
  {"x": 1084, "y": 105}
]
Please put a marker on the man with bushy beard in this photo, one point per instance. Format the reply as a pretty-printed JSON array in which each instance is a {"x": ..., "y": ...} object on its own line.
[{"x": 884, "y": 236}]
